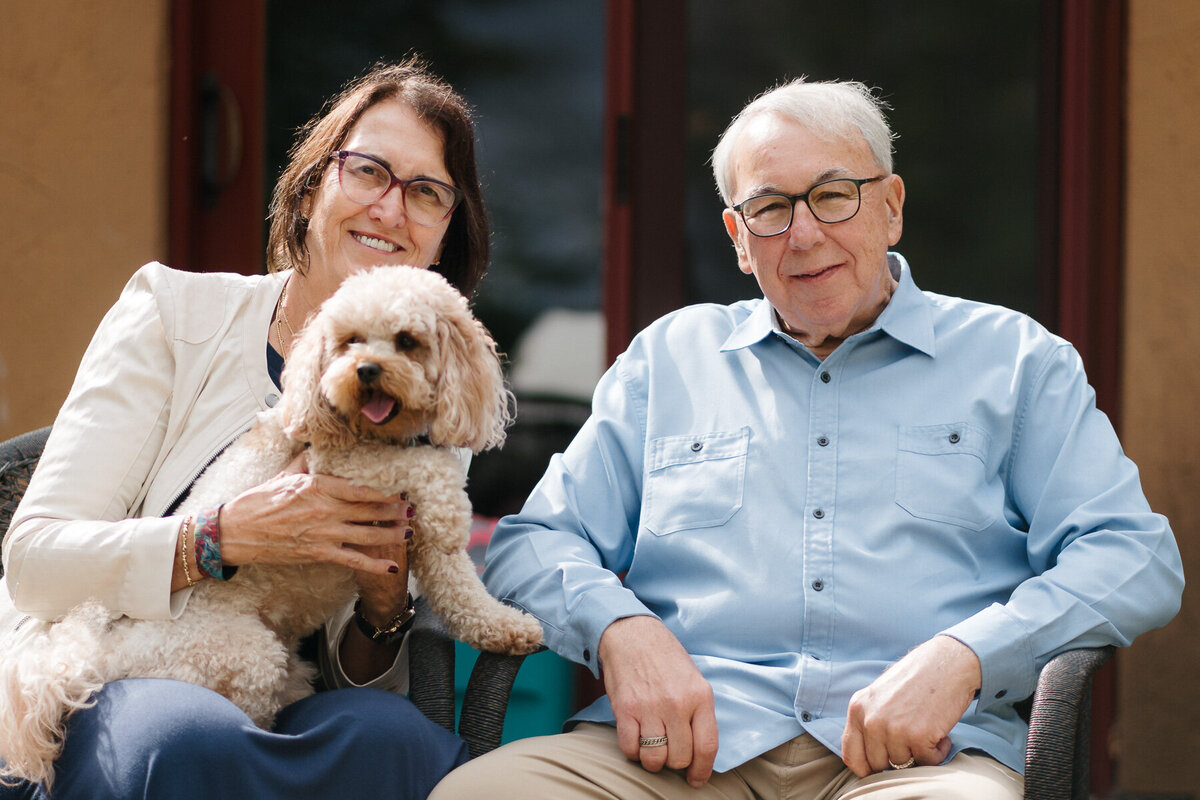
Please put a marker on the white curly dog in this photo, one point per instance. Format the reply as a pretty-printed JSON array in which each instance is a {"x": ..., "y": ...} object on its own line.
[{"x": 393, "y": 359}]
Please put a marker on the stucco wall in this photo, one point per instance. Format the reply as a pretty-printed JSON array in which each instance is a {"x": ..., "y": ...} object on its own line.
[
  {"x": 83, "y": 113},
  {"x": 1159, "y": 695}
]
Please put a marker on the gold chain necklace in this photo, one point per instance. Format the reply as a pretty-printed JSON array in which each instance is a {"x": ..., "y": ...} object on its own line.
[{"x": 281, "y": 320}]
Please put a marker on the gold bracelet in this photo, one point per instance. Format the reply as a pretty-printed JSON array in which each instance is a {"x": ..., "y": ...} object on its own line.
[{"x": 183, "y": 549}]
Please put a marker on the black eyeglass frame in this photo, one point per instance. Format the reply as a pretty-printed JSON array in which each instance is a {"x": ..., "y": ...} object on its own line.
[
  {"x": 342, "y": 155},
  {"x": 792, "y": 198}
]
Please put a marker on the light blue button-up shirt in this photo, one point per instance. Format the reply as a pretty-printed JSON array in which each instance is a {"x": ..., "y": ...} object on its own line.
[{"x": 801, "y": 524}]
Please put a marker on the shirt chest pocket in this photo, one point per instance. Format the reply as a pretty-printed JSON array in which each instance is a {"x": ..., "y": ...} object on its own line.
[
  {"x": 694, "y": 481},
  {"x": 942, "y": 475}
]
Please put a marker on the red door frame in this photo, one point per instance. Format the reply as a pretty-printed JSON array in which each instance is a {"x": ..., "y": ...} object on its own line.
[
  {"x": 1084, "y": 104},
  {"x": 645, "y": 103},
  {"x": 218, "y": 53}
]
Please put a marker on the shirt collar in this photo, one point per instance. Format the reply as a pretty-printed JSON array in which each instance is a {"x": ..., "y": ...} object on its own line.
[{"x": 908, "y": 317}]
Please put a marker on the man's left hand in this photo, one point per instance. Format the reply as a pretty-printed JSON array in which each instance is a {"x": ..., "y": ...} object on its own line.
[{"x": 908, "y": 711}]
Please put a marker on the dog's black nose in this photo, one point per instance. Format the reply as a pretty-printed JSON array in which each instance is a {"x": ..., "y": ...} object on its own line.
[{"x": 369, "y": 372}]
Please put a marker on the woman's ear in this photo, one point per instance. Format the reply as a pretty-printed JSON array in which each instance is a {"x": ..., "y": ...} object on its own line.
[{"x": 306, "y": 202}]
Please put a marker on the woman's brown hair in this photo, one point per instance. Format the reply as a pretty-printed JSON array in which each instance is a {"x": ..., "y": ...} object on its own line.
[{"x": 464, "y": 257}]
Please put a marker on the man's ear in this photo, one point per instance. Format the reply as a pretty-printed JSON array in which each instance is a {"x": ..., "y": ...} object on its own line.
[
  {"x": 895, "y": 206},
  {"x": 730, "y": 218}
]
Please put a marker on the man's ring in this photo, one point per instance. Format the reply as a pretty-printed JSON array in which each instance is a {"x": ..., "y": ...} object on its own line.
[
  {"x": 652, "y": 741},
  {"x": 911, "y": 760}
]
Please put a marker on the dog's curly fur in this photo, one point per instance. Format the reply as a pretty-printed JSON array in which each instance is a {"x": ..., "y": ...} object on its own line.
[{"x": 392, "y": 358}]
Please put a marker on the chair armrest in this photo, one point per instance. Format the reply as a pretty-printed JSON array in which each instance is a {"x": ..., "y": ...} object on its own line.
[
  {"x": 486, "y": 701},
  {"x": 431, "y": 684},
  {"x": 431, "y": 667},
  {"x": 18, "y": 457},
  {"x": 1057, "y": 752}
]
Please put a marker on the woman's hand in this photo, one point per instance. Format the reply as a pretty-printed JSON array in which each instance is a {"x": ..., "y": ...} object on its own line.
[
  {"x": 300, "y": 518},
  {"x": 382, "y": 598}
]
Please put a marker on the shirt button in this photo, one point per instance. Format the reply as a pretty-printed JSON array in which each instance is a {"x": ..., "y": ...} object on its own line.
[
  {"x": 1001, "y": 693},
  {"x": 818, "y": 585},
  {"x": 826, "y": 377},
  {"x": 954, "y": 437},
  {"x": 271, "y": 400},
  {"x": 806, "y": 717},
  {"x": 587, "y": 654},
  {"x": 823, "y": 441},
  {"x": 697, "y": 447},
  {"x": 819, "y": 513}
]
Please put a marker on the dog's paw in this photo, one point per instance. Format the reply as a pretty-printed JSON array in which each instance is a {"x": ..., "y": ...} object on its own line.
[{"x": 513, "y": 633}]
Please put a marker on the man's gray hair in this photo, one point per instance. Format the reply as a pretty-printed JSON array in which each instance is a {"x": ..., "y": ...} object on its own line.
[{"x": 830, "y": 109}]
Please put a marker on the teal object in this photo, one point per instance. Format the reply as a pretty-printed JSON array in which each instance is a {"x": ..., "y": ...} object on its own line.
[{"x": 542, "y": 695}]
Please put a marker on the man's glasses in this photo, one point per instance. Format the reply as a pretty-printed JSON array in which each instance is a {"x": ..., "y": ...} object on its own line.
[
  {"x": 366, "y": 179},
  {"x": 835, "y": 200}
]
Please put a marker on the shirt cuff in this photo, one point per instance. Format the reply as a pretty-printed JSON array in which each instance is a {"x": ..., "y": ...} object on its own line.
[
  {"x": 1008, "y": 667},
  {"x": 595, "y": 611}
]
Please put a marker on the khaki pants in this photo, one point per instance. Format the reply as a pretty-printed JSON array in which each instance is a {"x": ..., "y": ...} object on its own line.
[{"x": 586, "y": 763}]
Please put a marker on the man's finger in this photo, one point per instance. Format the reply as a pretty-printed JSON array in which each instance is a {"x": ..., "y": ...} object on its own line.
[
  {"x": 704, "y": 746},
  {"x": 653, "y": 752},
  {"x": 932, "y": 756},
  {"x": 627, "y": 738},
  {"x": 854, "y": 753}
]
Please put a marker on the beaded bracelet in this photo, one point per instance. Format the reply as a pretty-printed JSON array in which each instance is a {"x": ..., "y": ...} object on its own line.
[{"x": 208, "y": 544}]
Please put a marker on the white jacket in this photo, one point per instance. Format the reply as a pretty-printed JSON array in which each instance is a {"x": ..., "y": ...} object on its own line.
[{"x": 176, "y": 370}]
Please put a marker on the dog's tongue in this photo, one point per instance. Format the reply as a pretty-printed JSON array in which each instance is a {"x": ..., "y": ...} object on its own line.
[{"x": 378, "y": 408}]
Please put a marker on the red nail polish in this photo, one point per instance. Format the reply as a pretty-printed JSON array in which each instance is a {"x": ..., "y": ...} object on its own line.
[
  {"x": 408, "y": 534},
  {"x": 393, "y": 569},
  {"x": 411, "y": 512}
]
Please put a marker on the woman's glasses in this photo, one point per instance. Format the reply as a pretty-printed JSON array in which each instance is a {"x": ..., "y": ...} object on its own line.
[{"x": 366, "y": 179}]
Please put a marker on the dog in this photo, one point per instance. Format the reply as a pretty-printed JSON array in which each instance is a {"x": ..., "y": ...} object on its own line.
[{"x": 391, "y": 375}]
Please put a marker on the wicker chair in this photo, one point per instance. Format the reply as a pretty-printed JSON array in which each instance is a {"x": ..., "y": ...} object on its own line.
[
  {"x": 431, "y": 666},
  {"x": 1057, "y": 756}
]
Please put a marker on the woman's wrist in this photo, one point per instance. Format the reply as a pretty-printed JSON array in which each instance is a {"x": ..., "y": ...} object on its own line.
[
  {"x": 390, "y": 631},
  {"x": 380, "y": 614},
  {"x": 207, "y": 537},
  {"x": 185, "y": 572}
]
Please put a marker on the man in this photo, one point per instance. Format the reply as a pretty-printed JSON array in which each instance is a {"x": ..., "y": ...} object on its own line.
[{"x": 818, "y": 544}]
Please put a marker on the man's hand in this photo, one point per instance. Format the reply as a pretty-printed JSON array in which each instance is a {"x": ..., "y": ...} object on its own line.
[
  {"x": 656, "y": 690},
  {"x": 908, "y": 711}
]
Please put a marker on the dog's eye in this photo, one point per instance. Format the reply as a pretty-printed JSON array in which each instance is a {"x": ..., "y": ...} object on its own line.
[
  {"x": 353, "y": 339},
  {"x": 405, "y": 341}
]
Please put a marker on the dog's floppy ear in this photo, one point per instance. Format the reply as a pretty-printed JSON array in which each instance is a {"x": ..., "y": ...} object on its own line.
[
  {"x": 303, "y": 411},
  {"x": 473, "y": 405}
]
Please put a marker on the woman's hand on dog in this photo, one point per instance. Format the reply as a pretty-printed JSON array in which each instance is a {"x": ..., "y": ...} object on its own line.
[
  {"x": 383, "y": 596},
  {"x": 297, "y": 518}
]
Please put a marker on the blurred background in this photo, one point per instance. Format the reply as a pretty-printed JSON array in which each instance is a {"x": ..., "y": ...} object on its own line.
[{"x": 1045, "y": 144}]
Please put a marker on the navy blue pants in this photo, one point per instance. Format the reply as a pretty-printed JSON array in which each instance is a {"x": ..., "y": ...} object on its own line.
[{"x": 149, "y": 738}]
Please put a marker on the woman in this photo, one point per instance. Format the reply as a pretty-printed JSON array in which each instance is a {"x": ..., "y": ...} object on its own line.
[{"x": 180, "y": 366}]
